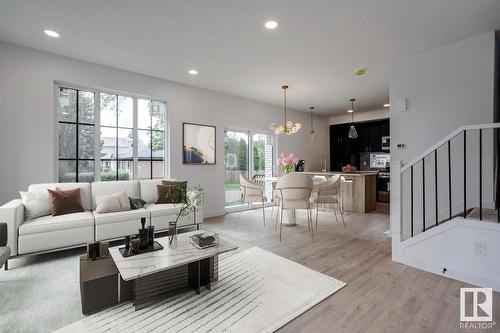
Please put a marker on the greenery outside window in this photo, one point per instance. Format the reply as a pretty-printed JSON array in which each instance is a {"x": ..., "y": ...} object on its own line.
[{"x": 129, "y": 142}]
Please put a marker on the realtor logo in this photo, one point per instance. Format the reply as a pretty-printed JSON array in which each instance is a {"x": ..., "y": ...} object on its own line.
[{"x": 476, "y": 304}]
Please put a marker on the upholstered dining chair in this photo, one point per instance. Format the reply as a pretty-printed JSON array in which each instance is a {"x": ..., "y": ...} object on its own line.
[
  {"x": 293, "y": 192},
  {"x": 251, "y": 193},
  {"x": 328, "y": 192}
]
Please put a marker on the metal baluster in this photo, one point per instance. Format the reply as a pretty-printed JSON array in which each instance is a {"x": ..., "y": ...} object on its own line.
[
  {"x": 480, "y": 174},
  {"x": 411, "y": 198},
  {"x": 423, "y": 194},
  {"x": 449, "y": 176},
  {"x": 465, "y": 173},
  {"x": 436, "y": 182}
]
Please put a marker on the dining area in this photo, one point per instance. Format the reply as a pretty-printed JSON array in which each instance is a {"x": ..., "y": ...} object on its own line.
[{"x": 292, "y": 193}]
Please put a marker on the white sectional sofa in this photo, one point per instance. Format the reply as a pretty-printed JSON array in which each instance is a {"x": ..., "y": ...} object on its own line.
[{"x": 72, "y": 230}]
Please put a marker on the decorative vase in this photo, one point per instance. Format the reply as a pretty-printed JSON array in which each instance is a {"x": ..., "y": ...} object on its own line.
[{"x": 172, "y": 234}]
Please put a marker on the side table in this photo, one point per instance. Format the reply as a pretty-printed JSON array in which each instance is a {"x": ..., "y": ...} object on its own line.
[{"x": 101, "y": 285}]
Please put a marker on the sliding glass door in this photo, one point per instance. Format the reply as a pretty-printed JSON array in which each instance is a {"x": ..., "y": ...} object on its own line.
[
  {"x": 236, "y": 163},
  {"x": 250, "y": 154}
]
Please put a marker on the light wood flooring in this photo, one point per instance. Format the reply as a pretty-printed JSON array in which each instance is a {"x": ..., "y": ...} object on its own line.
[{"x": 380, "y": 296}]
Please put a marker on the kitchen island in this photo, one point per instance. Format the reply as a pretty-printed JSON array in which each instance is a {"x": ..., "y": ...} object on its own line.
[{"x": 359, "y": 189}]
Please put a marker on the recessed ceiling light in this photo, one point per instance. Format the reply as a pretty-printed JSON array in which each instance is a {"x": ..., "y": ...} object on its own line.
[
  {"x": 193, "y": 71},
  {"x": 271, "y": 25},
  {"x": 360, "y": 72},
  {"x": 350, "y": 110},
  {"x": 51, "y": 33},
  {"x": 387, "y": 105}
]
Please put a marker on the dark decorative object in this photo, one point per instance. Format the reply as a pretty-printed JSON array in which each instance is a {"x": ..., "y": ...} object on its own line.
[
  {"x": 151, "y": 235},
  {"x": 204, "y": 240},
  {"x": 127, "y": 253},
  {"x": 198, "y": 144},
  {"x": 135, "y": 244},
  {"x": 127, "y": 243},
  {"x": 143, "y": 234},
  {"x": 93, "y": 250}
]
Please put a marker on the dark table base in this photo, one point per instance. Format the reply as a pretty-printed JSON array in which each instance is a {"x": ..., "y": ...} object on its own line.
[{"x": 166, "y": 283}]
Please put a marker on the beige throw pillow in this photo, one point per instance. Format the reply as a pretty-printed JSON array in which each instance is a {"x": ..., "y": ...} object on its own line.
[
  {"x": 117, "y": 202},
  {"x": 36, "y": 204}
]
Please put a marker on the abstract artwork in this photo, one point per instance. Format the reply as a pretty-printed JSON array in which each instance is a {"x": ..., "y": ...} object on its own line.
[{"x": 198, "y": 144}]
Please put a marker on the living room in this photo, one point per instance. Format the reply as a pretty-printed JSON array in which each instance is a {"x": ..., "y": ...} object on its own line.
[{"x": 236, "y": 121}]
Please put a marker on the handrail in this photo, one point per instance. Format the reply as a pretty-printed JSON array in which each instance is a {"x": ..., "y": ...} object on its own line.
[{"x": 446, "y": 139}]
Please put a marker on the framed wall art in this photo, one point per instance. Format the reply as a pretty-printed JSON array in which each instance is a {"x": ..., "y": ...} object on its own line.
[{"x": 198, "y": 144}]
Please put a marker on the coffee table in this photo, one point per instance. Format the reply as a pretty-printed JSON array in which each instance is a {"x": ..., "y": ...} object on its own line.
[{"x": 171, "y": 270}]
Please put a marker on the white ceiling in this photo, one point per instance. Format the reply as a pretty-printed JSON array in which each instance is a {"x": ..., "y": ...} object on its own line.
[{"x": 315, "y": 49}]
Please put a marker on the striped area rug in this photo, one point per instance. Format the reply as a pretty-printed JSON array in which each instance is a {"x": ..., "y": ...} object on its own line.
[{"x": 258, "y": 291}]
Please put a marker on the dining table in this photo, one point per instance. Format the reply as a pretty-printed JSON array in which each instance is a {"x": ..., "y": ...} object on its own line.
[{"x": 358, "y": 191}]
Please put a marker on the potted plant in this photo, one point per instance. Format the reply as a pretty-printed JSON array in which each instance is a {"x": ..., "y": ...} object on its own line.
[{"x": 190, "y": 200}]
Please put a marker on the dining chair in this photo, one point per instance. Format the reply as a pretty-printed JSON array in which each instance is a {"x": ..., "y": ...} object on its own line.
[
  {"x": 329, "y": 192},
  {"x": 294, "y": 191},
  {"x": 251, "y": 193}
]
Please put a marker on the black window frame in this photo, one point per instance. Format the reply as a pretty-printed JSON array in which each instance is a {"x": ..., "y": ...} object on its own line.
[{"x": 77, "y": 123}]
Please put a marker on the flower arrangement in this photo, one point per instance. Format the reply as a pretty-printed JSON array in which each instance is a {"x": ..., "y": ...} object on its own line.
[{"x": 287, "y": 163}]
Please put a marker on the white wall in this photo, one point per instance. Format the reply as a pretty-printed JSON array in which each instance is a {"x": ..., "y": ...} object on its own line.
[
  {"x": 459, "y": 256},
  {"x": 445, "y": 88},
  {"x": 27, "y": 118},
  {"x": 360, "y": 116}
]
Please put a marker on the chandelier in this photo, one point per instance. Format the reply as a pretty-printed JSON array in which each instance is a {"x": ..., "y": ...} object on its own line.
[{"x": 288, "y": 127}]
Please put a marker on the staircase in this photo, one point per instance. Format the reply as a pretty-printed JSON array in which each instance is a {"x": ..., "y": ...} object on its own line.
[
  {"x": 458, "y": 176},
  {"x": 448, "y": 208}
]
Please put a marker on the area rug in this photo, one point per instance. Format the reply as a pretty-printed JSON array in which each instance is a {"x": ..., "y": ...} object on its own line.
[{"x": 258, "y": 291}]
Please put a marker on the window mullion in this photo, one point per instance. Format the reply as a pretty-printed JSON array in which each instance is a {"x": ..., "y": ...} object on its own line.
[
  {"x": 97, "y": 147},
  {"x": 135, "y": 135}
]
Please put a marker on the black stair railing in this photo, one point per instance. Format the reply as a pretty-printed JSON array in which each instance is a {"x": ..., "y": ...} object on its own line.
[{"x": 410, "y": 169}]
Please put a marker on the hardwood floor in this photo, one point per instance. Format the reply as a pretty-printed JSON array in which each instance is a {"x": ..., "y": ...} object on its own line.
[{"x": 380, "y": 296}]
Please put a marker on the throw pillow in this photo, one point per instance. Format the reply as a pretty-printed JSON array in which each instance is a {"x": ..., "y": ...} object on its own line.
[
  {"x": 36, "y": 204},
  {"x": 180, "y": 187},
  {"x": 65, "y": 202},
  {"x": 136, "y": 203},
  {"x": 169, "y": 194},
  {"x": 117, "y": 202}
]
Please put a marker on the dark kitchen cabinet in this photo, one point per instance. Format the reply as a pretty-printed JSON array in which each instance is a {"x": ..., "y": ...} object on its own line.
[{"x": 346, "y": 151}]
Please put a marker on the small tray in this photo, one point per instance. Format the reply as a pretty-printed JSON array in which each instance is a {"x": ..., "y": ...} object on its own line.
[{"x": 156, "y": 246}]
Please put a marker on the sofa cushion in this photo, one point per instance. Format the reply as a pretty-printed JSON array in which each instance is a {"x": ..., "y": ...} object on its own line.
[
  {"x": 84, "y": 190},
  {"x": 53, "y": 223},
  {"x": 117, "y": 217},
  {"x": 109, "y": 188},
  {"x": 148, "y": 189},
  {"x": 163, "y": 209}
]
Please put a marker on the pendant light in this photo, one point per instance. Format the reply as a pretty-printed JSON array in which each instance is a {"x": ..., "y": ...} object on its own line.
[
  {"x": 353, "y": 134},
  {"x": 288, "y": 127},
  {"x": 311, "y": 130}
]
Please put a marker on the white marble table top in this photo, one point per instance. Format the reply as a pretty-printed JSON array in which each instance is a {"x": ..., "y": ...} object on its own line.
[{"x": 149, "y": 263}]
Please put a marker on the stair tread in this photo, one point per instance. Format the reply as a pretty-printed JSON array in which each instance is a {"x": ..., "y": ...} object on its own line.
[{"x": 489, "y": 215}]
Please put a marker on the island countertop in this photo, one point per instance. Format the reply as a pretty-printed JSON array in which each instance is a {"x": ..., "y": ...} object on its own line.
[
  {"x": 359, "y": 192},
  {"x": 331, "y": 173}
]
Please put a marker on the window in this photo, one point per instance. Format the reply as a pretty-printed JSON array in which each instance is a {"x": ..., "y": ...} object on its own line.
[
  {"x": 127, "y": 132},
  {"x": 76, "y": 135}
]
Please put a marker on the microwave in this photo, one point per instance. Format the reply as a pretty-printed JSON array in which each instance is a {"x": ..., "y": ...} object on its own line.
[{"x": 386, "y": 143}]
